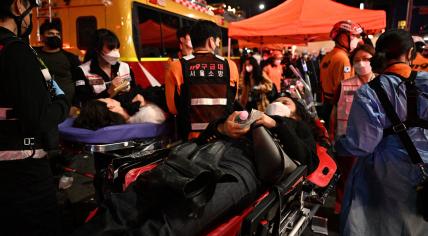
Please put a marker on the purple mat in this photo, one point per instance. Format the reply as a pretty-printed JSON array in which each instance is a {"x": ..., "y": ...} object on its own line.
[{"x": 111, "y": 134}]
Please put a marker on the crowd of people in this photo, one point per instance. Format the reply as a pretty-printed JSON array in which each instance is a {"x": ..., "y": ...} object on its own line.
[{"x": 206, "y": 92}]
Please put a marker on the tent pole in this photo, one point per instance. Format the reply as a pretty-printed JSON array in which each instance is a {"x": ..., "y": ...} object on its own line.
[
  {"x": 229, "y": 42},
  {"x": 409, "y": 14}
]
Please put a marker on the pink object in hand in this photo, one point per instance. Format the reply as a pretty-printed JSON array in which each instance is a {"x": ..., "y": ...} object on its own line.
[{"x": 243, "y": 115}]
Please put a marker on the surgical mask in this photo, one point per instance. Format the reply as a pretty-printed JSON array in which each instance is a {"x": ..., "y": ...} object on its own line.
[
  {"x": 353, "y": 44},
  {"x": 362, "y": 68},
  {"x": 277, "y": 62},
  {"x": 112, "y": 57},
  {"x": 278, "y": 109},
  {"x": 53, "y": 42},
  {"x": 249, "y": 68}
]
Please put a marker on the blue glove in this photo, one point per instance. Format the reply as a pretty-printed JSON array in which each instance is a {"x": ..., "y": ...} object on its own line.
[{"x": 57, "y": 89}]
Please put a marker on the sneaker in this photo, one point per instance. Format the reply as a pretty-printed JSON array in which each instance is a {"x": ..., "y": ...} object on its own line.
[{"x": 65, "y": 182}]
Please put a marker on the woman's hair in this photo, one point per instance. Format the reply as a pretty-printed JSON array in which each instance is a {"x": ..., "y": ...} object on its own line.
[
  {"x": 303, "y": 114},
  {"x": 102, "y": 37},
  {"x": 95, "y": 115},
  {"x": 391, "y": 45},
  {"x": 364, "y": 47},
  {"x": 257, "y": 72}
]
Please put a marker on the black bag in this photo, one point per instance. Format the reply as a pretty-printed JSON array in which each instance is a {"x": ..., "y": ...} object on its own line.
[
  {"x": 272, "y": 163},
  {"x": 422, "y": 199}
]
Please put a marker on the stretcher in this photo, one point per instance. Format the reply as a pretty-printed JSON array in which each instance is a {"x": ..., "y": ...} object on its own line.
[{"x": 123, "y": 153}]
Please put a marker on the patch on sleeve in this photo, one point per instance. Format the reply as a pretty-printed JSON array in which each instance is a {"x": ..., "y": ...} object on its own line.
[
  {"x": 347, "y": 69},
  {"x": 80, "y": 83}
]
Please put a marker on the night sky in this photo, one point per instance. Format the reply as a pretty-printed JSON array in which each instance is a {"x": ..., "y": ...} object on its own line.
[{"x": 395, "y": 9}]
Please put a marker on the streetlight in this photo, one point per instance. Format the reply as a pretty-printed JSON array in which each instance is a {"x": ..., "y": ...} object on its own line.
[{"x": 262, "y": 6}]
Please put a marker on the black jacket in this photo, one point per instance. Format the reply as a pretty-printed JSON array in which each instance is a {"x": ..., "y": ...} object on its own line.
[{"x": 24, "y": 89}]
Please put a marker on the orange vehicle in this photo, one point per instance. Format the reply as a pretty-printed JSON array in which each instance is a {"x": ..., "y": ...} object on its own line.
[{"x": 145, "y": 28}]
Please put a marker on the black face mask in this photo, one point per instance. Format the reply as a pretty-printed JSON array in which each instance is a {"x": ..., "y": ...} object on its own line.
[{"x": 53, "y": 42}]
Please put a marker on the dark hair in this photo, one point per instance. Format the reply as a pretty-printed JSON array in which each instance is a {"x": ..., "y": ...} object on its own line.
[
  {"x": 420, "y": 46},
  {"x": 202, "y": 31},
  {"x": 183, "y": 31},
  {"x": 270, "y": 61},
  {"x": 391, "y": 45},
  {"x": 306, "y": 117},
  {"x": 5, "y": 8},
  {"x": 95, "y": 115},
  {"x": 257, "y": 72},
  {"x": 102, "y": 37},
  {"x": 47, "y": 25},
  {"x": 364, "y": 47}
]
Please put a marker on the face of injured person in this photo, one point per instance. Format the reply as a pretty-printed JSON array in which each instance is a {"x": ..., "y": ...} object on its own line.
[{"x": 290, "y": 104}]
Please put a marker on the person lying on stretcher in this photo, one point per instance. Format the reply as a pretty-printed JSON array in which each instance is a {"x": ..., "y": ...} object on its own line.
[
  {"x": 104, "y": 112},
  {"x": 200, "y": 184}
]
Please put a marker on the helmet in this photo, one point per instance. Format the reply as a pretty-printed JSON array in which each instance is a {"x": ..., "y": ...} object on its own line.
[{"x": 345, "y": 26}]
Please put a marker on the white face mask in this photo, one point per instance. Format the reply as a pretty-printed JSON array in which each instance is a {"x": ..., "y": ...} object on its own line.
[
  {"x": 249, "y": 68},
  {"x": 112, "y": 57},
  {"x": 278, "y": 109},
  {"x": 362, "y": 68},
  {"x": 353, "y": 44},
  {"x": 277, "y": 62}
]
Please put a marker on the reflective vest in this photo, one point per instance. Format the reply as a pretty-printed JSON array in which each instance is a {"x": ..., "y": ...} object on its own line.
[
  {"x": 96, "y": 81},
  {"x": 348, "y": 88},
  {"x": 205, "y": 93}
]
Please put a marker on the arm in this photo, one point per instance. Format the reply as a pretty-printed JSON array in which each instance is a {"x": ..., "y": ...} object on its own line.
[
  {"x": 83, "y": 89},
  {"x": 342, "y": 70},
  {"x": 173, "y": 81},
  {"x": 234, "y": 76},
  {"x": 365, "y": 129}
]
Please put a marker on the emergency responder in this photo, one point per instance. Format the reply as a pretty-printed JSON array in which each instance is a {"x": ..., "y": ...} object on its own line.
[
  {"x": 421, "y": 61},
  {"x": 380, "y": 196},
  {"x": 274, "y": 70},
  {"x": 360, "y": 59},
  {"x": 335, "y": 66},
  {"x": 31, "y": 106},
  {"x": 59, "y": 62},
  {"x": 103, "y": 75},
  {"x": 201, "y": 87}
]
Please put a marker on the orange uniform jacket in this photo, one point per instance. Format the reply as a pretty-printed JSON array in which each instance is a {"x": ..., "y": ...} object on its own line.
[{"x": 334, "y": 68}]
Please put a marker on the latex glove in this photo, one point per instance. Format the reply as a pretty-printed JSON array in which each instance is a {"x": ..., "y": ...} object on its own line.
[{"x": 56, "y": 88}]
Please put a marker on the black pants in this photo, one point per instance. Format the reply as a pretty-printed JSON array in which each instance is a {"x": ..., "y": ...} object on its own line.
[
  {"x": 28, "y": 204},
  {"x": 120, "y": 214}
]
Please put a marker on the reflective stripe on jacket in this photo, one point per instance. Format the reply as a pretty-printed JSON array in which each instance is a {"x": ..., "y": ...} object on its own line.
[
  {"x": 96, "y": 81},
  {"x": 348, "y": 88}
]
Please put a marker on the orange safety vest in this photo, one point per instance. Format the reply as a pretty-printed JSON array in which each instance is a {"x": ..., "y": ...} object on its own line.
[
  {"x": 206, "y": 94},
  {"x": 348, "y": 89}
]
